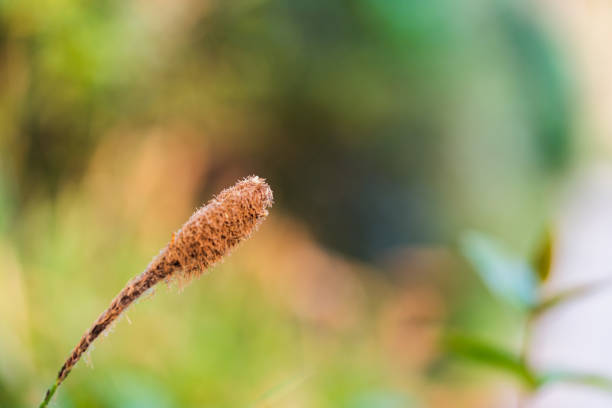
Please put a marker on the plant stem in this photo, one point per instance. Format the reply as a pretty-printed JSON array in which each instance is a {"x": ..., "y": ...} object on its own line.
[{"x": 48, "y": 396}]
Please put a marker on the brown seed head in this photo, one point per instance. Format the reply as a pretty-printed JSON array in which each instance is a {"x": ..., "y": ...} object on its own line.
[
  {"x": 219, "y": 226},
  {"x": 209, "y": 235}
]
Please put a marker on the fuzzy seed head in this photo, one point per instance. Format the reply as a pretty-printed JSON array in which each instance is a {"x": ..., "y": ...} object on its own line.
[
  {"x": 209, "y": 235},
  {"x": 219, "y": 226}
]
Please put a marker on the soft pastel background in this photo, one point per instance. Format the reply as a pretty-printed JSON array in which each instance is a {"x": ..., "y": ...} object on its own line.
[{"x": 387, "y": 129}]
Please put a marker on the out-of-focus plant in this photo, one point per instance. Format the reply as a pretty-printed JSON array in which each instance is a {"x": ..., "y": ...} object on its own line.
[{"x": 516, "y": 282}]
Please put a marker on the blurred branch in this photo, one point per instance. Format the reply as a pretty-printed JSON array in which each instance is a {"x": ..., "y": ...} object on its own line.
[{"x": 568, "y": 295}]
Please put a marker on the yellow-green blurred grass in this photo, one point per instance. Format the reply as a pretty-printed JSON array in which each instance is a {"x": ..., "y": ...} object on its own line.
[
  {"x": 233, "y": 339},
  {"x": 283, "y": 322}
]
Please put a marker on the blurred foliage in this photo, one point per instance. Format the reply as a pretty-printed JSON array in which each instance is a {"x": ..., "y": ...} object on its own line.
[
  {"x": 391, "y": 100},
  {"x": 508, "y": 278},
  {"x": 494, "y": 356},
  {"x": 515, "y": 281},
  {"x": 385, "y": 129},
  {"x": 543, "y": 257}
]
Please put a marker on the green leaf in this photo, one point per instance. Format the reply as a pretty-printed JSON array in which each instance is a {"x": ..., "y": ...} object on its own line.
[
  {"x": 542, "y": 260},
  {"x": 483, "y": 352},
  {"x": 508, "y": 277},
  {"x": 591, "y": 380}
]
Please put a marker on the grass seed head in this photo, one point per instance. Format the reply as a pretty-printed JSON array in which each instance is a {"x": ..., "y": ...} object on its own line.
[
  {"x": 209, "y": 235},
  {"x": 219, "y": 226}
]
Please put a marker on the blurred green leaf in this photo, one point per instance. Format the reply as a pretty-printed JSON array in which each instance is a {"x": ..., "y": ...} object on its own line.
[
  {"x": 542, "y": 260},
  {"x": 591, "y": 380},
  {"x": 480, "y": 351},
  {"x": 567, "y": 295},
  {"x": 549, "y": 101},
  {"x": 507, "y": 277}
]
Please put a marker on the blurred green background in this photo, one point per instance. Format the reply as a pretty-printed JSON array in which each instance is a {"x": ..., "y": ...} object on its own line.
[{"x": 385, "y": 129}]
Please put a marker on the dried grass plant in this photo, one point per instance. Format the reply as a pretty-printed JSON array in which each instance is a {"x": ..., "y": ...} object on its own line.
[{"x": 208, "y": 236}]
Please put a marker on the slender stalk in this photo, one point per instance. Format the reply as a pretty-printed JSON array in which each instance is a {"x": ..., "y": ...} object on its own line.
[{"x": 48, "y": 395}]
